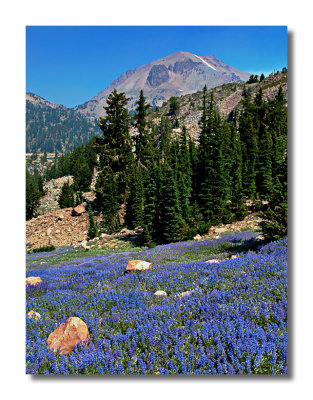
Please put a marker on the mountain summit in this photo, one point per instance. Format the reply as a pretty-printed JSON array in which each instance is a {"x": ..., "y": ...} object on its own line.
[{"x": 179, "y": 73}]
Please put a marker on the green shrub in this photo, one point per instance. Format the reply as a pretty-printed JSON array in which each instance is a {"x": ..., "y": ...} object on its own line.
[{"x": 42, "y": 249}]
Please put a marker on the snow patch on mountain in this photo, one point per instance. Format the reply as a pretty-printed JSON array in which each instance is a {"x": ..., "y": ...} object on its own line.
[{"x": 205, "y": 62}]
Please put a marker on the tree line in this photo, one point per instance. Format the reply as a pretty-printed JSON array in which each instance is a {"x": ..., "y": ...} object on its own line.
[
  {"x": 56, "y": 129},
  {"x": 175, "y": 187}
]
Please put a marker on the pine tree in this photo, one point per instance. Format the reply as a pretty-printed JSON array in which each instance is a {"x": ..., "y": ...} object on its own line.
[
  {"x": 173, "y": 107},
  {"x": 151, "y": 202},
  {"x": 184, "y": 176},
  {"x": 248, "y": 134},
  {"x": 264, "y": 169},
  {"x": 274, "y": 213},
  {"x": 66, "y": 197},
  {"x": 32, "y": 197},
  {"x": 108, "y": 200},
  {"x": 171, "y": 221},
  {"x": 141, "y": 140},
  {"x": 114, "y": 146},
  {"x": 92, "y": 229},
  {"x": 277, "y": 128},
  {"x": 82, "y": 174},
  {"x": 135, "y": 200},
  {"x": 115, "y": 159},
  {"x": 237, "y": 205},
  {"x": 193, "y": 156},
  {"x": 212, "y": 190},
  {"x": 163, "y": 137}
]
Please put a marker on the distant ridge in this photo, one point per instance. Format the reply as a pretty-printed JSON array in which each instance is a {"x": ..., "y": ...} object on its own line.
[{"x": 51, "y": 127}]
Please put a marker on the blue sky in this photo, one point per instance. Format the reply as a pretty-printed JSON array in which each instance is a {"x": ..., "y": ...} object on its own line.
[{"x": 70, "y": 64}]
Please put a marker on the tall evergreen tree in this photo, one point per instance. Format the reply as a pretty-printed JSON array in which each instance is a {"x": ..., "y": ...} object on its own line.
[
  {"x": 248, "y": 135},
  {"x": 92, "y": 229},
  {"x": 184, "y": 176},
  {"x": 114, "y": 146},
  {"x": 135, "y": 200},
  {"x": 151, "y": 205},
  {"x": 163, "y": 137},
  {"x": 108, "y": 200},
  {"x": 237, "y": 205},
  {"x": 193, "y": 156},
  {"x": 141, "y": 139},
  {"x": 115, "y": 158},
  {"x": 264, "y": 168},
  {"x": 82, "y": 174},
  {"x": 277, "y": 128},
  {"x": 171, "y": 221},
  {"x": 212, "y": 190},
  {"x": 32, "y": 197},
  {"x": 274, "y": 213},
  {"x": 66, "y": 197}
]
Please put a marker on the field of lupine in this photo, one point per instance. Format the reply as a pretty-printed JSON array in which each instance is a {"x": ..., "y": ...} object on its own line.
[{"x": 233, "y": 321}]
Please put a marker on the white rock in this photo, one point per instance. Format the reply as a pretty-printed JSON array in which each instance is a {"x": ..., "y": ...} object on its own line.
[
  {"x": 160, "y": 293},
  {"x": 138, "y": 265}
]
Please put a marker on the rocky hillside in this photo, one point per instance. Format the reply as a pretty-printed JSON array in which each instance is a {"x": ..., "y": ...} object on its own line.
[
  {"x": 57, "y": 227},
  {"x": 175, "y": 75},
  {"x": 227, "y": 98},
  {"x": 61, "y": 228}
]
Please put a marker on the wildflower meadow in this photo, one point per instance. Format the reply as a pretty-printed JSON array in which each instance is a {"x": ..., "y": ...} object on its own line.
[{"x": 226, "y": 317}]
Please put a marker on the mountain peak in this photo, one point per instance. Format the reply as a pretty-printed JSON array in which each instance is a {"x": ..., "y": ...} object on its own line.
[{"x": 178, "y": 73}]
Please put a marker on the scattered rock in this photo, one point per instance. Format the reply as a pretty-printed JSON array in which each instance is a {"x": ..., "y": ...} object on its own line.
[
  {"x": 183, "y": 294},
  {"x": 34, "y": 314},
  {"x": 220, "y": 230},
  {"x": 213, "y": 261},
  {"x": 125, "y": 232},
  {"x": 84, "y": 245},
  {"x": 233, "y": 257},
  {"x": 197, "y": 237},
  {"x": 138, "y": 265},
  {"x": 79, "y": 210},
  {"x": 33, "y": 280},
  {"x": 49, "y": 230},
  {"x": 60, "y": 217},
  {"x": 67, "y": 335},
  {"x": 160, "y": 293}
]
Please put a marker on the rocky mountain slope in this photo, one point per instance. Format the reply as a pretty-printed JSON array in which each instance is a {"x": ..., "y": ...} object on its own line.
[
  {"x": 177, "y": 74},
  {"x": 51, "y": 127},
  {"x": 227, "y": 98}
]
